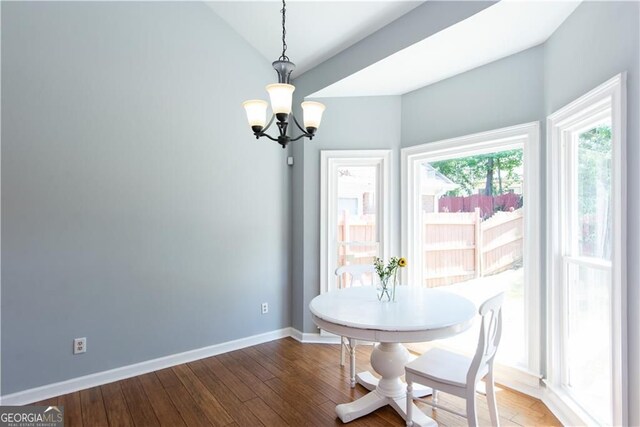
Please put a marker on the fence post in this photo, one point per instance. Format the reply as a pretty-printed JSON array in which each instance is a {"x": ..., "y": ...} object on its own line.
[
  {"x": 478, "y": 249},
  {"x": 347, "y": 226}
]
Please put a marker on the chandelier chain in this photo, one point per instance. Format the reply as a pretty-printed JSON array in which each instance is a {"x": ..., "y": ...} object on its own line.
[{"x": 284, "y": 56}]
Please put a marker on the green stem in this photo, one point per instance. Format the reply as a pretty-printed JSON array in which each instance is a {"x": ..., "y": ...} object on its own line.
[{"x": 395, "y": 282}]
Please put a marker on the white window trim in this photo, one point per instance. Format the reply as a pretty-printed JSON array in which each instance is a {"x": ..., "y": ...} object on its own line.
[
  {"x": 611, "y": 94},
  {"x": 330, "y": 160},
  {"x": 528, "y": 135}
]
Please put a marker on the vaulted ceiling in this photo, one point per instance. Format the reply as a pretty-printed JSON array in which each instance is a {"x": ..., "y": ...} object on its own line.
[
  {"x": 503, "y": 29},
  {"x": 318, "y": 30}
]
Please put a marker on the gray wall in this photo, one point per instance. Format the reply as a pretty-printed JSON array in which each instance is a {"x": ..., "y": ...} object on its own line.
[
  {"x": 503, "y": 93},
  {"x": 346, "y": 125},
  {"x": 598, "y": 41},
  {"x": 137, "y": 208},
  {"x": 298, "y": 308}
]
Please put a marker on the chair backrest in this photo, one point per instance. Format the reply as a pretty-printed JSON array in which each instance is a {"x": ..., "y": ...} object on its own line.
[
  {"x": 356, "y": 271},
  {"x": 490, "y": 332}
]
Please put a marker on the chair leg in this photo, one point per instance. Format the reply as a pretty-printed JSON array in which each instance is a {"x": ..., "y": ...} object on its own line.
[
  {"x": 352, "y": 363},
  {"x": 491, "y": 399},
  {"x": 409, "y": 404},
  {"x": 472, "y": 416},
  {"x": 342, "y": 344}
]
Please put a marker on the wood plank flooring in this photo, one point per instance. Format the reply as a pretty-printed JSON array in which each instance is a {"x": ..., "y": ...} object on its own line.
[{"x": 279, "y": 383}]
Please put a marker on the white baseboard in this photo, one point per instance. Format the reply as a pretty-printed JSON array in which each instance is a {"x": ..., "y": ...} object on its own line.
[
  {"x": 316, "y": 338},
  {"x": 567, "y": 413},
  {"x": 519, "y": 380},
  {"x": 296, "y": 334},
  {"x": 99, "y": 378}
]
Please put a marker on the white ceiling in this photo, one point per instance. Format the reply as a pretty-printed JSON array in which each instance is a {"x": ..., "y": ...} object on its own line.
[
  {"x": 498, "y": 31},
  {"x": 316, "y": 30}
]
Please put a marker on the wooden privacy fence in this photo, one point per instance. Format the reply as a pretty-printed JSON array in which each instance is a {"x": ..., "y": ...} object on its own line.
[
  {"x": 461, "y": 246},
  {"x": 457, "y": 246},
  {"x": 487, "y": 204},
  {"x": 358, "y": 239}
]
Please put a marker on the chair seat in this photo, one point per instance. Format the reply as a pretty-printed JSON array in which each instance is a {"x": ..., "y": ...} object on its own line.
[
  {"x": 459, "y": 375},
  {"x": 442, "y": 366}
]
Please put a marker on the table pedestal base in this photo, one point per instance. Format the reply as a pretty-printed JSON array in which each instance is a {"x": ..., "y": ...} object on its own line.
[
  {"x": 368, "y": 381},
  {"x": 388, "y": 360}
]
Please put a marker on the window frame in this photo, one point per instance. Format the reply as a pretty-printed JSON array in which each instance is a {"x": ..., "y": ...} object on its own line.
[
  {"x": 527, "y": 136},
  {"x": 330, "y": 161},
  {"x": 561, "y": 125}
]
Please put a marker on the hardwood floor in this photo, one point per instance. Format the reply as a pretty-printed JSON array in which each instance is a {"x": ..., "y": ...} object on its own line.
[{"x": 280, "y": 383}]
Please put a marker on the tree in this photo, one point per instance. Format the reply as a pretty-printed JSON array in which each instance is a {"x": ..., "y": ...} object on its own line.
[
  {"x": 594, "y": 167},
  {"x": 594, "y": 191},
  {"x": 469, "y": 172}
]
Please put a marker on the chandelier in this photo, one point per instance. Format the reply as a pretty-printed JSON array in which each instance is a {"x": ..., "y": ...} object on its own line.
[{"x": 281, "y": 95}]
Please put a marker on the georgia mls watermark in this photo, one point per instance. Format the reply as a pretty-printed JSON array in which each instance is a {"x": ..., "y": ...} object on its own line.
[{"x": 32, "y": 416}]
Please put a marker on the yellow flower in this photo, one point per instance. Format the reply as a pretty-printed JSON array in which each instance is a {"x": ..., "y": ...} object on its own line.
[{"x": 402, "y": 262}]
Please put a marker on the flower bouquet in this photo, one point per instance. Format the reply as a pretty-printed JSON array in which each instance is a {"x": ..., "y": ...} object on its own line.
[{"x": 386, "y": 273}]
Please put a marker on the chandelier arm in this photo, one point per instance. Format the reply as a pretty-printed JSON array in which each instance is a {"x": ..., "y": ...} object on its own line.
[
  {"x": 267, "y": 135},
  {"x": 273, "y": 116},
  {"x": 302, "y": 136},
  {"x": 304, "y": 131},
  {"x": 282, "y": 128},
  {"x": 298, "y": 124}
]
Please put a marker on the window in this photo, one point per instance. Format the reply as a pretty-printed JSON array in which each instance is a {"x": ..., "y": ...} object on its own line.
[
  {"x": 471, "y": 226},
  {"x": 586, "y": 212},
  {"x": 354, "y": 211}
]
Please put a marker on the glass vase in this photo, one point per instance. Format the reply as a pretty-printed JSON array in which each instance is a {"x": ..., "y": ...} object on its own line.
[{"x": 387, "y": 288}]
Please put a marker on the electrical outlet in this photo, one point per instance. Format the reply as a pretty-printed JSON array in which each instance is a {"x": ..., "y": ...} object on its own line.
[
  {"x": 265, "y": 307},
  {"x": 80, "y": 345}
]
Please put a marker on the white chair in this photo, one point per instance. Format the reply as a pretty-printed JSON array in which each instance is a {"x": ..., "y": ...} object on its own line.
[
  {"x": 356, "y": 272},
  {"x": 458, "y": 375}
]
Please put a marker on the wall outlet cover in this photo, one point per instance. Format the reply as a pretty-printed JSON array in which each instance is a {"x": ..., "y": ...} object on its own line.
[{"x": 80, "y": 345}]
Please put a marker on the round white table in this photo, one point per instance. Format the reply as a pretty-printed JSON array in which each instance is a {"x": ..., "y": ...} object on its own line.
[{"x": 417, "y": 315}]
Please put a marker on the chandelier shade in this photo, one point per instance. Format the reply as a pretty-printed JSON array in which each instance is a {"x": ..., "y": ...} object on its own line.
[
  {"x": 281, "y": 97},
  {"x": 312, "y": 114},
  {"x": 256, "y": 112}
]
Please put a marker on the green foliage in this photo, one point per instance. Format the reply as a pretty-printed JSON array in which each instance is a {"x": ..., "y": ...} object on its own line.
[
  {"x": 498, "y": 171},
  {"x": 594, "y": 152},
  {"x": 385, "y": 272},
  {"x": 594, "y": 167}
]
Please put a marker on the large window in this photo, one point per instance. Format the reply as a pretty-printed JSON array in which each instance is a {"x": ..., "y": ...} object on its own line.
[
  {"x": 471, "y": 211},
  {"x": 586, "y": 287},
  {"x": 587, "y": 263},
  {"x": 354, "y": 211}
]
